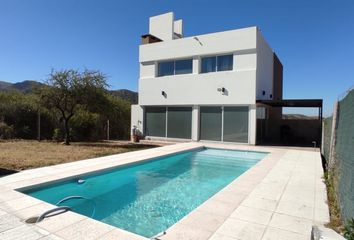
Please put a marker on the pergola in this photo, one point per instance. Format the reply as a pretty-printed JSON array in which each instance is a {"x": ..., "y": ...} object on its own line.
[
  {"x": 307, "y": 103},
  {"x": 303, "y": 103}
]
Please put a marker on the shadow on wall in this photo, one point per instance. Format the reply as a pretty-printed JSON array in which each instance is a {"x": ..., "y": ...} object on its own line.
[{"x": 290, "y": 132}]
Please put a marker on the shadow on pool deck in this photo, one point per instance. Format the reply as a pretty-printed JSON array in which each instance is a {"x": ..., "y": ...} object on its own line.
[{"x": 5, "y": 172}]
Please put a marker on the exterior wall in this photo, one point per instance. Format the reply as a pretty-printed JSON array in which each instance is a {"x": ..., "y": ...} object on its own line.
[
  {"x": 178, "y": 27},
  {"x": 238, "y": 41},
  {"x": 161, "y": 26},
  {"x": 264, "y": 69},
  {"x": 252, "y": 129},
  {"x": 147, "y": 70},
  {"x": 196, "y": 89},
  {"x": 277, "y": 79},
  {"x": 195, "y": 123},
  {"x": 137, "y": 118}
]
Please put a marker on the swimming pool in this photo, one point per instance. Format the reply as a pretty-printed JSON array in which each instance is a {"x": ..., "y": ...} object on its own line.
[{"x": 146, "y": 198}]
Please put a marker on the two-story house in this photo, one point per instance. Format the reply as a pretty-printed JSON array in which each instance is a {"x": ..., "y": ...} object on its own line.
[{"x": 203, "y": 87}]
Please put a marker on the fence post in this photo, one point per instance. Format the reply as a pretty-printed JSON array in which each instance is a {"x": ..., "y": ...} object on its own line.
[
  {"x": 39, "y": 125},
  {"x": 108, "y": 129},
  {"x": 332, "y": 144},
  {"x": 322, "y": 136}
]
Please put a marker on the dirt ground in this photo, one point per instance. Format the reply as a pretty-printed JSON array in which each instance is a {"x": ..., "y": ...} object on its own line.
[{"x": 18, "y": 155}]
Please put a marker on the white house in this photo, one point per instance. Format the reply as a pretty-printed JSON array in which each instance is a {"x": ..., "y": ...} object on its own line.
[{"x": 203, "y": 87}]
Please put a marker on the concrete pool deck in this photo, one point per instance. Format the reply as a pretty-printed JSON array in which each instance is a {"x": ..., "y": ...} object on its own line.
[{"x": 281, "y": 197}]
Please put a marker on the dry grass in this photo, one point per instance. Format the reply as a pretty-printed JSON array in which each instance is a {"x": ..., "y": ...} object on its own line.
[
  {"x": 23, "y": 154},
  {"x": 331, "y": 181}
]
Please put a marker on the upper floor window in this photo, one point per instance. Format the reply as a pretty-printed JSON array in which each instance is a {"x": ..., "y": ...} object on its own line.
[
  {"x": 217, "y": 63},
  {"x": 175, "y": 67}
]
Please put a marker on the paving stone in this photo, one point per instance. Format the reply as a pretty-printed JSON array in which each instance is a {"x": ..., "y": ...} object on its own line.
[
  {"x": 24, "y": 232},
  {"x": 8, "y": 221}
]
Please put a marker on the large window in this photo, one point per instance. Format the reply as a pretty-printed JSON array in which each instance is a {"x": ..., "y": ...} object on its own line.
[
  {"x": 217, "y": 63},
  {"x": 155, "y": 121},
  {"x": 224, "y": 63},
  {"x": 175, "y": 67},
  {"x": 208, "y": 64},
  {"x": 183, "y": 66},
  {"x": 166, "y": 69},
  {"x": 228, "y": 124},
  {"x": 210, "y": 123},
  {"x": 177, "y": 121}
]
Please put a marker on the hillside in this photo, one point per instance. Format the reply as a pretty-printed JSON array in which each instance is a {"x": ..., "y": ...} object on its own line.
[
  {"x": 4, "y": 85},
  {"x": 299, "y": 116},
  {"x": 29, "y": 85},
  {"x": 126, "y": 94},
  {"x": 24, "y": 87}
]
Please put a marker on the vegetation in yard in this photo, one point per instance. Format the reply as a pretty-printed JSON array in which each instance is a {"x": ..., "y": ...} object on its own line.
[
  {"x": 333, "y": 204},
  {"x": 73, "y": 105},
  {"x": 349, "y": 230},
  {"x": 69, "y": 91},
  {"x": 25, "y": 154}
]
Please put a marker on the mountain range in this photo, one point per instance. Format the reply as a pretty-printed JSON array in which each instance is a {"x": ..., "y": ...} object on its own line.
[{"x": 28, "y": 86}]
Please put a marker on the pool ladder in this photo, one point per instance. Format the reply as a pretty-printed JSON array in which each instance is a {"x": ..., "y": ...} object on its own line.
[
  {"x": 60, "y": 209},
  {"x": 156, "y": 237},
  {"x": 80, "y": 197}
]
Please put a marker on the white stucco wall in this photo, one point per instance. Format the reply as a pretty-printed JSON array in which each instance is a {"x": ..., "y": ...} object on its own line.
[
  {"x": 195, "y": 123},
  {"x": 161, "y": 26},
  {"x": 196, "y": 89},
  {"x": 137, "y": 118},
  {"x": 239, "y": 40},
  {"x": 252, "y": 134},
  {"x": 178, "y": 26},
  {"x": 147, "y": 70}
]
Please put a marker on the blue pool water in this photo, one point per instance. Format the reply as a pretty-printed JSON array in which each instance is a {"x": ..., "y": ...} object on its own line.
[{"x": 149, "y": 197}]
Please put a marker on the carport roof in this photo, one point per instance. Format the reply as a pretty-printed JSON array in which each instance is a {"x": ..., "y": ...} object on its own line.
[{"x": 293, "y": 103}]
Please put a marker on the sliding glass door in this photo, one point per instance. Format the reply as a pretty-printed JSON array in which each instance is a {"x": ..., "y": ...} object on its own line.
[
  {"x": 210, "y": 123},
  {"x": 155, "y": 121},
  {"x": 171, "y": 122},
  {"x": 228, "y": 124},
  {"x": 179, "y": 122},
  {"x": 235, "y": 124}
]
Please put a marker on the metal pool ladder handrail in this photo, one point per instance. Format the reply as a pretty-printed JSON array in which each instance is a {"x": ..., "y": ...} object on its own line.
[
  {"x": 79, "y": 197},
  {"x": 59, "y": 210}
]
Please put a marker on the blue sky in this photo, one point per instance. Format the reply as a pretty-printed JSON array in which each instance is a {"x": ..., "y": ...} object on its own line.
[{"x": 313, "y": 39}]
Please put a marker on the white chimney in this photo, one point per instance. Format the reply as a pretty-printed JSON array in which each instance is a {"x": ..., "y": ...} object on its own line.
[{"x": 165, "y": 28}]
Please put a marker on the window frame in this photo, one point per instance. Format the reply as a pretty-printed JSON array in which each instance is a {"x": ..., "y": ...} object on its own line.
[
  {"x": 174, "y": 66},
  {"x": 166, "y": 122},
  {"x": 216, "y": 62},
  {"x": 223, "y": 123}
]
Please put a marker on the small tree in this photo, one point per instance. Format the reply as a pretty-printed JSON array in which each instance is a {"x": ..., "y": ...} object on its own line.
[{"x": 67, "y": 90}]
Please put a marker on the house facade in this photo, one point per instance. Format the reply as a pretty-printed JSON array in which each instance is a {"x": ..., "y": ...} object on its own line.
[{"x": 205, "y": 87}]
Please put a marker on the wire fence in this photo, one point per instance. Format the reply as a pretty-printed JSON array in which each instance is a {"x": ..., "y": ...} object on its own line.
[{"x": 338, "y": 151}]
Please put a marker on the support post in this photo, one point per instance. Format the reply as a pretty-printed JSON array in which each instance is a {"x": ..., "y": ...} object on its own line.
[{"x": 332, "y": 145}]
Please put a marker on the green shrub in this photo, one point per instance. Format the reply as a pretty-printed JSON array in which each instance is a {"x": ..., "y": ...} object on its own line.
[
  {"x": 6, "y": 132},
  {"x": 57, "y": 135},
  {"x": 349, "y": 230},
  {"x": 86, "y": 126}
]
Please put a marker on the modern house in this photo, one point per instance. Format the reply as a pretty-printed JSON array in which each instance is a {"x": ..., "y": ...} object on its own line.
[{"x": 204, "y": 87}]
